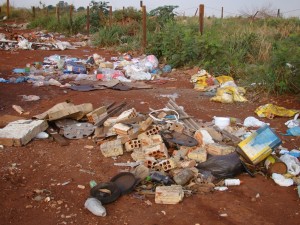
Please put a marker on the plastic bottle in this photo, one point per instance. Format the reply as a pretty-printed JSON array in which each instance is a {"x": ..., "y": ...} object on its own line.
[
  {"x": 232, "y": 182},
  {"x": 93, "y": 183},
  {"x": 27, "y": 68},
  {"x": 158, "y": 177},
  {"x": 95, "y": 207}
]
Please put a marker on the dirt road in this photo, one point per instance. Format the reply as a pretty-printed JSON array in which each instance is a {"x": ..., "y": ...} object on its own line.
[{"x": 44, "y": 165}]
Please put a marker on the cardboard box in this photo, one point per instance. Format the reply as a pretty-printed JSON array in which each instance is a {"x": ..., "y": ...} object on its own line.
[{"x": 259, "y": 145}]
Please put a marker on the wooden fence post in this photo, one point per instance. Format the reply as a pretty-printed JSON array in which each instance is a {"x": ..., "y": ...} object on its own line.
[
  {"x": 7, "y": 9},
  {"x": 33, "y": 12},
  {"x": 88, "y": 20},
  {"x": 144, "y": 44},
  {"x": 57, "y": 14},
  {"x": 201, "y": 18},
  {"x": 222, "y": 13},
  {"x": 110, "y": 16},
  {"x": 278, "y": 13},
  {"x": 71, "y": 15},
  {"x": 123, "y": 17}
]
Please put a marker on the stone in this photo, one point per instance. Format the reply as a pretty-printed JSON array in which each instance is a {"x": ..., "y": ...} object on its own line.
[{"x": 112, "y": 148}]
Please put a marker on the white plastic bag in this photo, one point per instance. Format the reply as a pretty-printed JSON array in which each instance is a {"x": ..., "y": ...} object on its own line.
[
  {"x": 292, "y": 164},
  {"x": 281, "y": 180},
  {"x": 253, "y": 122},
  {"x": 294, "y": 122}
]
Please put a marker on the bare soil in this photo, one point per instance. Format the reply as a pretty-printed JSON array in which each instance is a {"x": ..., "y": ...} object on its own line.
[{"x": 43, "y": 164}]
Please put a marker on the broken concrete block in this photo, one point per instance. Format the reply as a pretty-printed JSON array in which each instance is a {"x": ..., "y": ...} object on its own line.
[
  {"x": 184, "y": 176},
  {"x": 66, "y": 110},
  {"x": 151, "y": 140},
  {"x": 128, "y": 114},
  {"x": 218, "y": 149},
  {"x": 181, "y": 153},
  {"x": 97, "y": 115},
  {"x": 141, "y": 172},
  {"x": 146, "y": 124},
  {"x": 150, "y": 162},
  {"x": 157, "y": 151},
  {"x": 187, "y": 164},
  {"x": 199, "y": 154},
  {"x": 169, "y": 194},
  {"x": 20, "y": 132},
  {"x": 167, "y": 164},
  {"x": 152, "y": 131},
  {"x": 132, "y": 145},
  {"x": 122, "y": 129},
  {"x": 203, "y": 137},
  {"x": 112, "y": 148},
  {"x": 178, "y": 127},
  {"x": 138, "y": 155},
  {"x": 216, "y": 136}
]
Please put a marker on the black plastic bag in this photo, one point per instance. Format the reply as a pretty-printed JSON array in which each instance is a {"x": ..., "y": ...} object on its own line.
[{"x": 223, "y": 166}]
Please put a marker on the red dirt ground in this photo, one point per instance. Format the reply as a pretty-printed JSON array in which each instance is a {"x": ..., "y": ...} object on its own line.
[{"x": 44, "y": 164}]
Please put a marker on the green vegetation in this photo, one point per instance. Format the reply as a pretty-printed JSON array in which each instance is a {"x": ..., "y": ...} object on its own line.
[{"x": 262, "y": 51}]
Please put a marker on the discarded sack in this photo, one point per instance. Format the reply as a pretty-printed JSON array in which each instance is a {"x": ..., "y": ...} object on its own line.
[
  {"x": 270, "y": 111},
  {"x": 223, "y": 166}
]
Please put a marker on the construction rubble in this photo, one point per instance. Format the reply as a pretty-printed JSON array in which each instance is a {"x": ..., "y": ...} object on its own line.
[{"x": 172, "y": 154}]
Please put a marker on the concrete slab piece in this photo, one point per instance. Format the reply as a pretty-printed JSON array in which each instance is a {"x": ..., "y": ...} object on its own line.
[{"x": 20, "y": 132}]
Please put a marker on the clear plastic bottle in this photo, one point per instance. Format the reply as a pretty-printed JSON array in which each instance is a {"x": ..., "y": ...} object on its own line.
[
  {"x": 232, "y": 182},
  {"x": 95, "y": 207}
]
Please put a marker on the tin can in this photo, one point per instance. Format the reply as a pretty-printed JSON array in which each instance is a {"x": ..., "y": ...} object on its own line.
[{"x": 274, "y": 165}]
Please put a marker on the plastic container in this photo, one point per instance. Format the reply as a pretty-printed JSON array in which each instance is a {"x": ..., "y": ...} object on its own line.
[
  {"x": 158, "y": 177},
  {"x": 95, "y": 207},
  {"x": 222, "y": 122},
  {"x": 259, "y": 145},
  {"x": 232, "y": 182}
]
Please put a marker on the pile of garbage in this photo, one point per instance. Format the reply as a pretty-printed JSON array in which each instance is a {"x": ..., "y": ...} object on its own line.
[
  {"x": 36, "y": 41},
  {"x": 93, "y": 73},
  {"x": 173, "y": 155},
  {"x": 223, "y": 88}
]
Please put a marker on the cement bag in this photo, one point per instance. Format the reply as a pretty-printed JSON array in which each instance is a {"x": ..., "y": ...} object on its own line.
[
  {"x": 270, "y": 110},
  {"x": 223, "y": 79},
  {"x": 230, "y": 95},
  {"x": 223, "y": 95},
  {"x": 223, "y": 166}
]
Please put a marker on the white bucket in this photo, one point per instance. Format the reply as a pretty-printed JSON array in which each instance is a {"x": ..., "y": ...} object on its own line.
[{"x": 222, "y": 122}]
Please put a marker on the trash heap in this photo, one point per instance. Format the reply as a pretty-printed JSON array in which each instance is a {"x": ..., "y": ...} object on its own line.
[
  {"x": 36, "y": 41},
  {"x": 173, "y": 155},
  {"x": 93, "y": 73},
  {"x": 223, "y": 88}
]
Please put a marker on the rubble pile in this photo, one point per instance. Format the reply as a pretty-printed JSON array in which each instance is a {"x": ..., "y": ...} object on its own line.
[{"x": 172, "y": 154}]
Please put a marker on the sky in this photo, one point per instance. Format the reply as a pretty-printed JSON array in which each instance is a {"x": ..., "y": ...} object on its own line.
[{"x": 187, "y": 7}]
